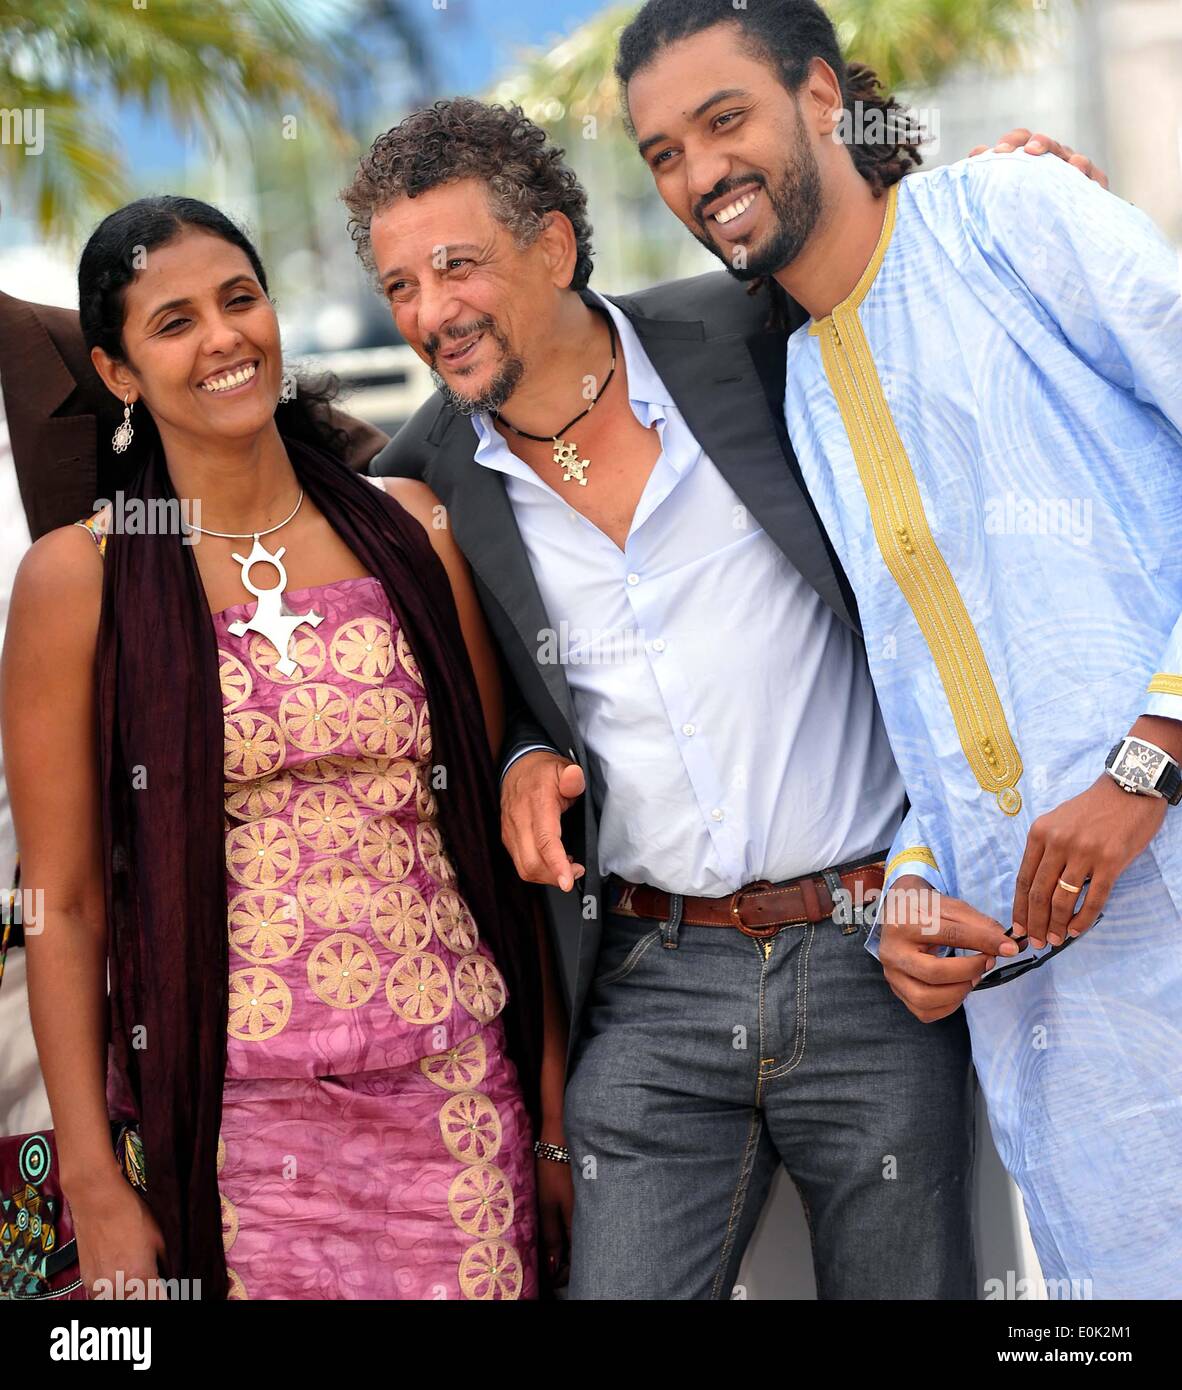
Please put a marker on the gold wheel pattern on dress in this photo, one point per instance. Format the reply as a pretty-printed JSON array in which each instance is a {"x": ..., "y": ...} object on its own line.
[
  {"x": 343, "y": 971},
  {"x": 385, "y": 784},
  {"x": 423, "y": 736},
  {"x": 221, "y": 1158},
  {"x": 262, "y": 854},
  {"x": 481, "y": 1201},
  {"x": 306, "y": 649},
  {"x": 471, "y": 1129},
  {"x": 253, "y": 746},
  {"x": 236, "y": 681},
  {"x": 429, "y": 842},
  {"x": 265, "y": 926},
  {"x": 334, "y": 893},
  {"x": 265, "y": 796},
  {"x": 321, "y": 770},
  {"x": 386, "y": 850},
  {"x": 490, "y": 1271},
  {"x": 361, "y": 650},
  {"x": 406, "y": 659},
  {"x": 383, "y": 722},
  {"x": 326, "y": 818},
  {"x": 236, "y": 1289},
  {"x": 315, "y": 718},
  {"x": 260, "y": 1004},
  {"x": 229, "y": 1223},
  {"x": 418, "y": 988},
  {"x": 453, "y": 922},
  {"x": 398, "y": 916},
  {"x": 425, "y": 803},
  {"x": 460, "y": 1068},
  {"x": 480, "y": 987}
]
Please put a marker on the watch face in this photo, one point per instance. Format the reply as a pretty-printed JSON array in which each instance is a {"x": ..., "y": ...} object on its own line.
[{"x": 1140, "y": 765}]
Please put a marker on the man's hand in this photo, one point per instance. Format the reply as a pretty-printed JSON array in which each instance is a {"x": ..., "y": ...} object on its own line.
[
  {"x": 535, "y": 792},
  {"x": 1095, "y": 836},
  {"x": 1022, "y": 139},
  {"x": 916, "y": 922}
]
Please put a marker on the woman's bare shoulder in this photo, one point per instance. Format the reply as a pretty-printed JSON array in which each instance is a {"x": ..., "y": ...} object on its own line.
[
  {"x": 426, "y": 508},
  {"x": 60, "y": 580}
]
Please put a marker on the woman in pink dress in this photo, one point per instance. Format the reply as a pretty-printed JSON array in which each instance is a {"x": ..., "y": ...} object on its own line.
[{"x": 329, "y": 998}]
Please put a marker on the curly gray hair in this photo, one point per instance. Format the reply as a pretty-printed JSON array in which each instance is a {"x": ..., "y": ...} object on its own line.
[{"x": 526, "y": 176}]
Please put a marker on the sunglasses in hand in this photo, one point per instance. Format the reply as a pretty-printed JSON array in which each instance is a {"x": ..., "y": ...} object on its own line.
[{"x": 1013, "y": 968}]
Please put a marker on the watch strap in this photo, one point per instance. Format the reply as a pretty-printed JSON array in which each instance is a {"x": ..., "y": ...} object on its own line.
[{"x": 1170, "y": 784}]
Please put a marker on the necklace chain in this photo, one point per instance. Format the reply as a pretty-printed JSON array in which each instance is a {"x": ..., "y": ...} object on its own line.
[
  {"x": 249, "y": 535},
  {"x": 554, "y": 438}
]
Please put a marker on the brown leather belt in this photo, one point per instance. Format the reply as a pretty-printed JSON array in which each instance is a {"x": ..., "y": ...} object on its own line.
[{"x": 761, "y": 909}]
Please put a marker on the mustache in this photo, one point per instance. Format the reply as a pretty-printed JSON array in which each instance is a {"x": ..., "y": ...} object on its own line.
[
  {"x": 722, "y": 188},
  {"x": 432, "y": 344}
]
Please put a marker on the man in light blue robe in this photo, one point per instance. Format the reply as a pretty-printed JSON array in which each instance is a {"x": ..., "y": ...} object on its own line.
[
  {"x": 990, "y": 427},
  {"x": 987, "y": 410}
]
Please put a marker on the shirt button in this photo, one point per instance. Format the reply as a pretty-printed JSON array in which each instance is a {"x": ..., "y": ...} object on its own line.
[
  {"x": 633, "y": 580},
  {"x": 688, "y": 730},
  {"x": 659, "y": 645},
  {"x": 716, "y": 814}
]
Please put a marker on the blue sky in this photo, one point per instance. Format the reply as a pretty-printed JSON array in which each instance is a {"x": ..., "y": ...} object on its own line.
[
  {"x": 499, "y": 28},
  {"x": 474, "y": 43}
]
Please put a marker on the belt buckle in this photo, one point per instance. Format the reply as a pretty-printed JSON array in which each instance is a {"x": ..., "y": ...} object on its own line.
[{"x": 759, "y": 933}]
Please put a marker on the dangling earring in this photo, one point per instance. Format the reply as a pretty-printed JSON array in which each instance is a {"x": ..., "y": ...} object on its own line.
[
  {"x": 121, "y": 439},
  {"x": 287, "y": 391}
]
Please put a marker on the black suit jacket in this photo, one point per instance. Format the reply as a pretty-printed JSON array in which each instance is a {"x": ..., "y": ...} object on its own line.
[{"x": 710, "y": 343}]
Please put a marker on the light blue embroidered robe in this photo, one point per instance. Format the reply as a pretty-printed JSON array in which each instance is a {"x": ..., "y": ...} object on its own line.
[{"x": 1010, "y": 367}]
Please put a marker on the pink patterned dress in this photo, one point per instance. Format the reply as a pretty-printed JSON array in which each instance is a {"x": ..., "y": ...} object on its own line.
[{"x": 374, "y": 1143}]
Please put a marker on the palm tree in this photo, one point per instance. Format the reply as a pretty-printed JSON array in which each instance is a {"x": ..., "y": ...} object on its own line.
[{"x": 202, "y": 67}]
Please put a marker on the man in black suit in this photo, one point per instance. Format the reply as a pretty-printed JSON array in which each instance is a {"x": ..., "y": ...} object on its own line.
[{"x": 617, "y": 473}]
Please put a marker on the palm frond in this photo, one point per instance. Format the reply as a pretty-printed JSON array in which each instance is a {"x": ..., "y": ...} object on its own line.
[
  {"x": 205, "y": 68},
  {"x": 74, "y": 176}
]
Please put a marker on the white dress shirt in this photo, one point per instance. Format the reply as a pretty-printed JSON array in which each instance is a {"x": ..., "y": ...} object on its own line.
[
  {"x": 23, "y": 1103},
  {"x": 729, "y": 716}
]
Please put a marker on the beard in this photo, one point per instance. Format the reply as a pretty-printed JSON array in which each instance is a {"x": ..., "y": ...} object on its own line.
[
  {"x": 796, "y": 202},
  {"x": 499, "y": 389}
]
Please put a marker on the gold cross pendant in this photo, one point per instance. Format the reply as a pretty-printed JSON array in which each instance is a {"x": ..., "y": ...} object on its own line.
[{"x": 574, "y": 469}]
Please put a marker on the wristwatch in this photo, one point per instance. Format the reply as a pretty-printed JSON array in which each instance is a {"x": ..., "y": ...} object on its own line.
[{"x": 1144, "y": 769}]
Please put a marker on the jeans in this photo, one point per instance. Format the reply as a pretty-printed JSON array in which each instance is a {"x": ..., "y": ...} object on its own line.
[{"x": 707, "y": 1058}]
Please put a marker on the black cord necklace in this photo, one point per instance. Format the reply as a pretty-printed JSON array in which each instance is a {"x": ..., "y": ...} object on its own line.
[{"x": 566, "y": 455}]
